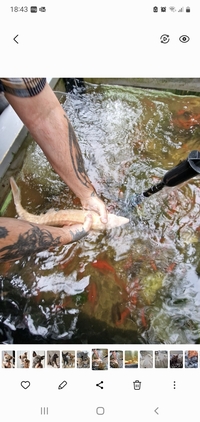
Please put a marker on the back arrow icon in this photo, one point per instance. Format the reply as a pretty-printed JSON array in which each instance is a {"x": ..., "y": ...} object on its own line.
[
  {"x": 15, "y": 39},
  {"x": 156, "y": 410}
]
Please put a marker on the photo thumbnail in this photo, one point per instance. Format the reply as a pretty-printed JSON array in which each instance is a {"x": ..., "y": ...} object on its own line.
[
  {"x": 99, "y": 359},
  {"x": 68, "y": 359},
  {"x": 131, "y": 359},
  {"x": 83, "y": 359},
  {"x": 53, "y": 359},
  {"x": 23, "y": 359},
  {"x": 8, "y": 359},
  {"x": 38, "y": 359}
]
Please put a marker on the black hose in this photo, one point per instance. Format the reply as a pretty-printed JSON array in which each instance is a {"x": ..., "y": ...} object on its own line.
[{"x": 184, "y": 171}]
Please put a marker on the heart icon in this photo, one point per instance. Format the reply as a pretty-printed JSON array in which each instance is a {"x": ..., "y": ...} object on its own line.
[{"x": 25, "y": 384}]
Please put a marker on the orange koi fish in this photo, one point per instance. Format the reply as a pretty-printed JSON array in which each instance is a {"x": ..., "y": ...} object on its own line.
[
  {"x": 92, "y": 294},
  {"x": 133, "y": 299},
  {"x": 103, "y": 266},
  {"x": 153, "y": 265},
  {"x": 186, "y": 119},
  {"x": 123, "y": 316},
  {"x": 171, "y": 267},
  {"x": 143, "y": 319}
]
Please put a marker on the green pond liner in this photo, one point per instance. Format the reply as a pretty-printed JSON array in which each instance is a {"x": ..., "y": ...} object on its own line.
[{"x": 6, "y": 203}]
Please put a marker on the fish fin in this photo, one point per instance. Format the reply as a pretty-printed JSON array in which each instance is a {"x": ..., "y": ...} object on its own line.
[
  {"x": 70, "y": 223},
  {"x": 50, "y": 211}
]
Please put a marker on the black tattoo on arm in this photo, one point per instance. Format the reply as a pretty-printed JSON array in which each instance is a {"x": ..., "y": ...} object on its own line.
[
  {"x": 78, "y": 234},
  {"x": 3, "y": 232},
  {"x": 32, "y": 241},
  {"x": 76, "y": 156}
]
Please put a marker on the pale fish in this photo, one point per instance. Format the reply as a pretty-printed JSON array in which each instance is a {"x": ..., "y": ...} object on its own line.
[{"x": 64, "y": 217}]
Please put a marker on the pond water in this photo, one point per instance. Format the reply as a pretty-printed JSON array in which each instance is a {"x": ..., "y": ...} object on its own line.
[{"x": 135, "y": 284}]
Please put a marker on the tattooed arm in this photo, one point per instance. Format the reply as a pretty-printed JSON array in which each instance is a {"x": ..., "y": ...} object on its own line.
[
  {"x": 44, "y": 117},
  {"x": 19, "y": 238}
]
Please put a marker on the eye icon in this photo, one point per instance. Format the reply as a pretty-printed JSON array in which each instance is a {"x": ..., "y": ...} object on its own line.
[{"x": 184, "y": 38}]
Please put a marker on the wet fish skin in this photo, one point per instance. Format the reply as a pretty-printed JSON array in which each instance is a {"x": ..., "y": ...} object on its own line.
[{"x": 64, "y": 217}]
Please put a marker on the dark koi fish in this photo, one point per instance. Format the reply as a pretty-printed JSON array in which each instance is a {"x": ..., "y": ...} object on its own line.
[{"x": 123, "y": 316}]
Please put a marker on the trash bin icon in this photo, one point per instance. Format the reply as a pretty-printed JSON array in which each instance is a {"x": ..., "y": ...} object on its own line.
[{"x": 137, "y": 385}]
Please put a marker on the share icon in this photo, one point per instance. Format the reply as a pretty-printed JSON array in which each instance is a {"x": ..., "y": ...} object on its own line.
[{"x": 99, "y": 384}]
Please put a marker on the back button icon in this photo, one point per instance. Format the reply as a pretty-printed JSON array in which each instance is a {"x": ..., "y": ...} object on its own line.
[{"x": 15, "y": 38}]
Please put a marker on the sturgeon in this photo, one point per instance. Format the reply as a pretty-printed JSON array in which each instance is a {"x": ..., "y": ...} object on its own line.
[{"x": 64, "y": 217}]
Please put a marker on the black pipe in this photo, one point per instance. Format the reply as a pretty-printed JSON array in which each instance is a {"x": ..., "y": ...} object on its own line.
[{"x": 184, "y": 171}]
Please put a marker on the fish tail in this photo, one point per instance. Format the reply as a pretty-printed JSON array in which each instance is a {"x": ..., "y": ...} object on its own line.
[
  {"x": 15, "y": 191},
  {"x": 22, "y": 213},
  {"x": 17, "y": 197}
]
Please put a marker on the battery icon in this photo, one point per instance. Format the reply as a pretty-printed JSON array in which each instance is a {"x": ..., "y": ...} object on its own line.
[
  {"x": 33, "y": 9},
  {"x": 42, "y": 9}
]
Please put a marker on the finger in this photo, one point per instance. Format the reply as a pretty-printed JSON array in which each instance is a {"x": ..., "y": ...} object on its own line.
[
  {"x": 103, "y": 218},
  {"x": 87, "y": 223},
  {"x": 103, "y": 214}
]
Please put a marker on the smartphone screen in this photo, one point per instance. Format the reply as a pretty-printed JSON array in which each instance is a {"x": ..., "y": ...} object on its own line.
[{"x": 99, "y": 210}]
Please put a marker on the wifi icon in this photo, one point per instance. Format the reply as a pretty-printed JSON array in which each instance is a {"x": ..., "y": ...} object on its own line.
[{"x": 172, "y": 8}]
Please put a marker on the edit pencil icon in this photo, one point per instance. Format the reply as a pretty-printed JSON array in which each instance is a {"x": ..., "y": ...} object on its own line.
[{"x": 62, "y": 385}]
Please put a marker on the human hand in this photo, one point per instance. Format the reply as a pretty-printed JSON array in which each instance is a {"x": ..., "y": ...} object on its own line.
[
  {"x": 77, "y": 231},
  {"x": 94, "y": 203}
]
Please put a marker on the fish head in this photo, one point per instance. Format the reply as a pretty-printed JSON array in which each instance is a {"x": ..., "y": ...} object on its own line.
[{"x": 115, "y": 221}]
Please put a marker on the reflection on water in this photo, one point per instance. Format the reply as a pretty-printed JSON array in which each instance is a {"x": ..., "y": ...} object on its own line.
[{"x": 135, "y": 284}]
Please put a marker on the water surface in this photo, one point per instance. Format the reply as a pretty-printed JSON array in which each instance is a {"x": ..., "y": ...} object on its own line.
[{"x": 135, "y": 284}]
